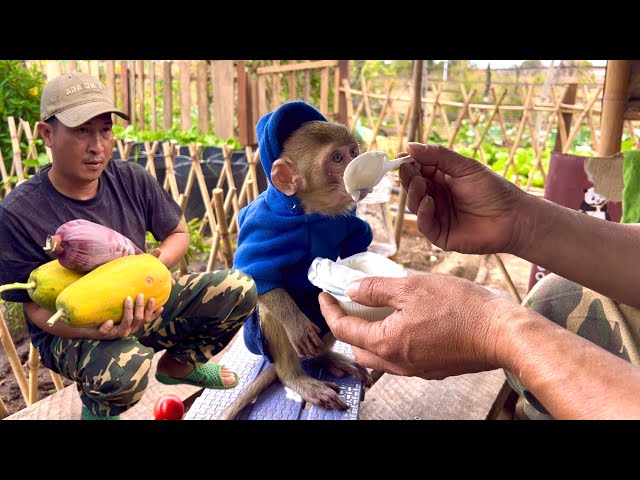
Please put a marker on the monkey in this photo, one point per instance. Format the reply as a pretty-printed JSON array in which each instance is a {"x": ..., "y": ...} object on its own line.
[{"x": 304, "y": 213}]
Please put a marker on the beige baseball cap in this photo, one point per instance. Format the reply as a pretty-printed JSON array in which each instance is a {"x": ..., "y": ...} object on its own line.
[{"x": 75, "y": 98}]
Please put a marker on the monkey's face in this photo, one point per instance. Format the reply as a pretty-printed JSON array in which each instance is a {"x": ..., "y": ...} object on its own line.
[{"x": 323, "y": 189}]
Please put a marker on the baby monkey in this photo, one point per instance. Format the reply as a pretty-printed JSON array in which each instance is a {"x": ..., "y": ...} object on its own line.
[{"x": 305, "y": 213}]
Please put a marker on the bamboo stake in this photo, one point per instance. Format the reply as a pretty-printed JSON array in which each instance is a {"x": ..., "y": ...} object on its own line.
[
  {"x": 592, "y": 128},
  {"x": 505, "y": 136},
  {"x": 5, "y": 176},
  {"x": 538, "y": 164},
  {"x": 204, "y": 191},
  {"x": 432, "y": 116},
  {"x": 14, "y": 360},
  {"x": 365, "y": 99},
  {"x": 516, "y": 143},
  {"x": 4, "y": 413},
  {"x": 151, "y": 153},
  {"x": 529, "y": 123},
  {"x": 461, "y": 115},
  {"x": 15, "y": 145},
  {"x": 34, "y": 362},
  {"x": 475, "y": 119},
  {"x": 57, "y": 380},
  {"x": 231, "y": 183},
  {"x": 512, "y": 288},
  {"x": 376, "y": 128},
  {"x": 491, "y": 117},
  {"x": 218, "y": 199},
  {"x": 578, "y": 123}
]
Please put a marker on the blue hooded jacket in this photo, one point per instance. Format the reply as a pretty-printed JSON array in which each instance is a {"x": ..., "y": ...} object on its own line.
[{"x": 277, "y": 241}]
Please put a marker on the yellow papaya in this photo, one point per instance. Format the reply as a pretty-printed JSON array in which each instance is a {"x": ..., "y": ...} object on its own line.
[
  {"x": 100, "y": 294},
  {"x": 45, "y": 283}
]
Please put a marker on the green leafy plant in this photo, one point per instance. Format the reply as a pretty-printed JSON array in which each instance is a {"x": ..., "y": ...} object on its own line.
[
  {"x": 197, "y": 243},
  {"x": 183, "y": 137},
  {"x": 13, "y": 315},
  {"x": 20, "y": 91}
]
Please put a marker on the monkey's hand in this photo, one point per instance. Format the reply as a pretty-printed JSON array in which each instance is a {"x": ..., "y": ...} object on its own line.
[
  {"x": 302, "y": 332},
  {"x": 304, "y": 335}
]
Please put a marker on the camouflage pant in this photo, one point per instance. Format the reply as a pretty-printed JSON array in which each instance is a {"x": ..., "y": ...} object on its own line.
[
  {"x": 605, "y": 322},
  {"x": 203, "y": 313}
]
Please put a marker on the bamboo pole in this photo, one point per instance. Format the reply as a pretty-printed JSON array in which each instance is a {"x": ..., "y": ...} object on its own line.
[
  {"x": 4, "y": 413},
  {"x": 461, "y": 115},
  {"x": 34, "y": 363},
  {"x": 614, "y": 102},
  {"x": 512, "y": 288},
  {"x": 414, "y": 134},
  {"x": 15, "y": 146},
  {"x": 510, "y": 160},
  {"x": 493, "y": 115},
  {"x": 218, "y": 199},
  {"x": 432, "y": 115},
  {"x": 578, "y": 123},
  {"x": 14, "y": 360},
  {"x": 57, "y": 380}
]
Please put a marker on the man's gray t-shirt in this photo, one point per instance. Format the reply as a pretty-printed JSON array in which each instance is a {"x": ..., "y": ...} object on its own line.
[{"x": 129, "y": 201}]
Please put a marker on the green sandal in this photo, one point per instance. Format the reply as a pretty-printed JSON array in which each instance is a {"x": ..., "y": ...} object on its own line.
[
  {"x": 87, "y": 415},
  {"x": 206, "y": 375}
]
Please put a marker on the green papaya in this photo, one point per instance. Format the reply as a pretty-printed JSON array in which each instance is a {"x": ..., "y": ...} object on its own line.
[{"x": 45, "y": 283}]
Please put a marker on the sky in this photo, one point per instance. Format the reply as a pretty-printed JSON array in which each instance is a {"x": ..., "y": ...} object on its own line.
[{"x": 510, "y": 63}]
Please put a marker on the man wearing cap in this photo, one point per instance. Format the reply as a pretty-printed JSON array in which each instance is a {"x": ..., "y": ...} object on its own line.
[{"x": 110, "y": 363}]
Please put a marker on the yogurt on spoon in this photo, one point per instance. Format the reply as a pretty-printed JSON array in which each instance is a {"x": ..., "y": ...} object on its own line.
[{"x": 366, "y": 170}]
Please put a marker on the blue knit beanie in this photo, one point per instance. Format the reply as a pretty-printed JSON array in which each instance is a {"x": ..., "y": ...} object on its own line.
[{"x": 275, "y": 127}]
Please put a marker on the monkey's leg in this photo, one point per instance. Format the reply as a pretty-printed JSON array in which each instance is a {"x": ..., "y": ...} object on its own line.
[
  {"x": 339, "y": 364},
  {"x": 290, "y": 372}
]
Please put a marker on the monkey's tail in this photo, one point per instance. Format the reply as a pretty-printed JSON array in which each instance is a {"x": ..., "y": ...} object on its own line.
[{"x": 251, "y": 391}]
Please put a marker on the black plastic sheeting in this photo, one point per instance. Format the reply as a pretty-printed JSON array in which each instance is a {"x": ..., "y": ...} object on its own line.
[{"x": 211, "y": 164}]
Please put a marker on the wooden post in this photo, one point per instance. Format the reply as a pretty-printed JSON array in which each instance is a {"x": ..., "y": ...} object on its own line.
[
  {"x": 244, "y": 105},
  {"x": 342, "y": 114},
  {"x": 614, "y": 101},
  {"x": 185, "y": 95},
  {"x": 152, "y": 88},
  {"x": 124, "y": 89},
  {"x": 222, "y": 76},
  {"x": 167, "y": 114},
  {"x": 414, "y": 135},
  {"x": 140, "y": 92},
  {"x": 110, "y": 80},
  {"x": 203, "y": 96},
  {"x": 564, "y": 121}
]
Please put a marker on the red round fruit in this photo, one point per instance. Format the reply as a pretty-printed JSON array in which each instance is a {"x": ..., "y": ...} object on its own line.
[{"x": 168, "y": 407}]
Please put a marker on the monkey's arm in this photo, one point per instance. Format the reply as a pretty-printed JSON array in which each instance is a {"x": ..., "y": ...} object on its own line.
[
  {"x": 302, "y": 332},
  {"x": 359, "y": 238}
]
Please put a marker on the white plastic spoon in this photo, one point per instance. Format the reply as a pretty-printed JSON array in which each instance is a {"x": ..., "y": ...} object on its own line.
[{"x": 366, "y": 170}]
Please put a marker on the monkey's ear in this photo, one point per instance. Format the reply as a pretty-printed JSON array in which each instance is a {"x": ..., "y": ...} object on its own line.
[{"x": 285, "y": 177}]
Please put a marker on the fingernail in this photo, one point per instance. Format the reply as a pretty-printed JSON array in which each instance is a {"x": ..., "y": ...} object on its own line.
[
  {"x": 352, "y": 288},
  {"x": 129, "y": 300},
  {"x": 152, "y": 301},
  {"x": 417, "y": 146}
]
